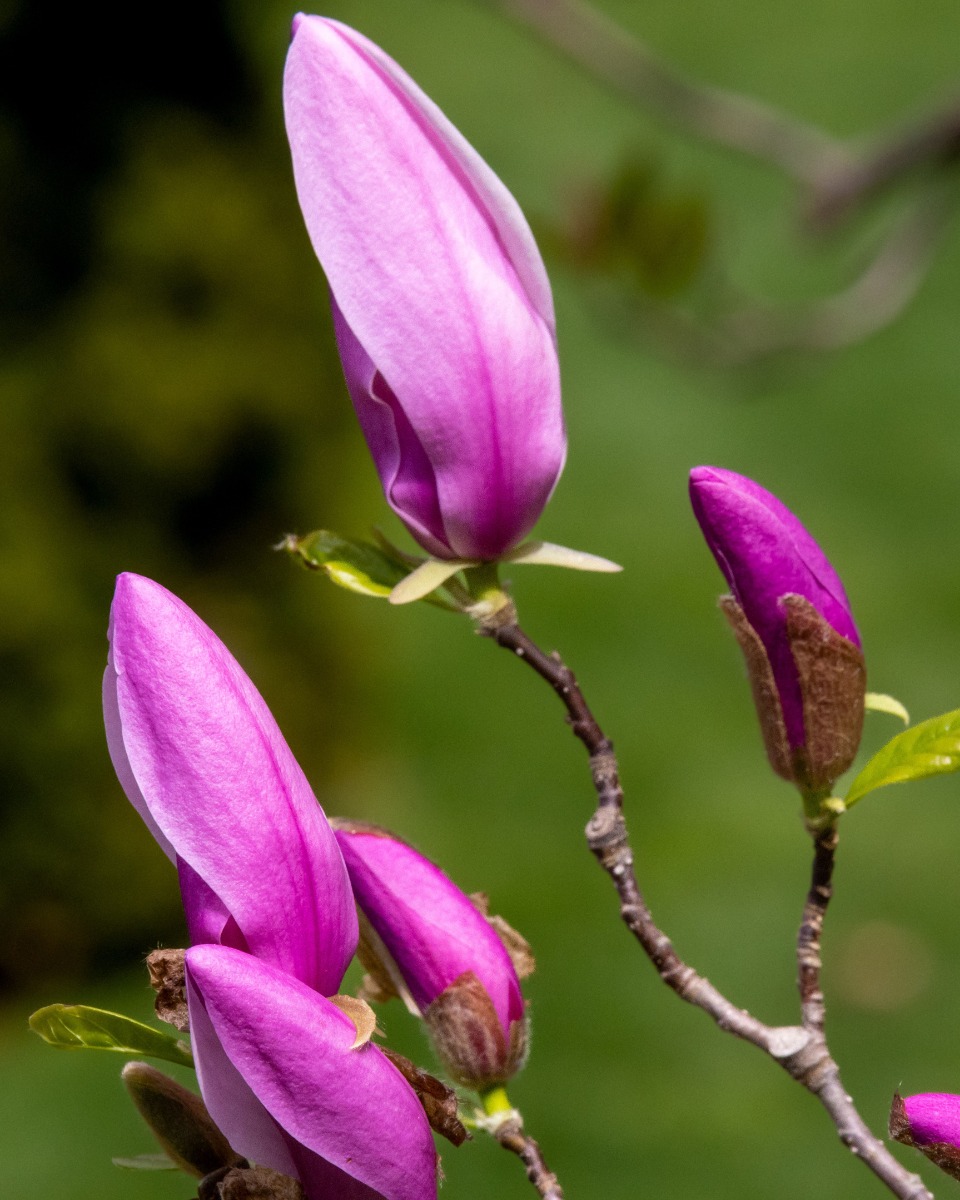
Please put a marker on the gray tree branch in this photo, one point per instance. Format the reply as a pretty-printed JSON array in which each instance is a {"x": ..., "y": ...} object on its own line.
[{"x": 801, "y": 1050}]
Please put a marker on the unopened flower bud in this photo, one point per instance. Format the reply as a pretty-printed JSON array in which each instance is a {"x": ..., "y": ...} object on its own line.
[
  {"x": 441, "y": 302},
  {"x": 792, "y": 619},
  {"x": 931, "y": 1123},
  {"x": 178, "y": 1120},
  {"x": 436, "y": 945}
]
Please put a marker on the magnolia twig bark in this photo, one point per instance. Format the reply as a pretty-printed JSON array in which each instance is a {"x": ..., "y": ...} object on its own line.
[
  {"x": 511, "y": 1136},
  {"x": 800, "y": 1049},
  {"x": 809, "y": 961},
  {"x": 752, "y": 332},
  {"x": 836, "y": 179},
  {"x": 740, "y": 123},
  {"x": 838, "y": 175},
  {"x": 933, "y": 142}
]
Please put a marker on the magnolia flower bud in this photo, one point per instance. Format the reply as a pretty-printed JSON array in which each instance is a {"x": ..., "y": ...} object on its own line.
[
  {"x": 931, "y": 1123},
  {"x": 433, "y": 942},
  {"x": 441, "y": 304},
  {"x": 792, "y": 619}
]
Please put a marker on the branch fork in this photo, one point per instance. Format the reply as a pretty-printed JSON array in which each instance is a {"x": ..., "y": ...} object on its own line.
[{"x": 802, "y": 1050}]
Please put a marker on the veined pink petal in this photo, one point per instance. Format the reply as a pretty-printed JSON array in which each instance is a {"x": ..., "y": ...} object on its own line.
[
  {"x": 432, "y": 930},
  {"x": 437, "y": 277},
  {"x": 352, "y": 1126},
  {"x": 202, "y": 759}
]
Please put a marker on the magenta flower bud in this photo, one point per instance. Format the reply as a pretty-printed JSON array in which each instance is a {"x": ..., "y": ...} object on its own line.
[
  {"x": 280, "y": 1075},
  {"x": 269, "y": 909},
  {"x": 931, "y": 1123},
  {"x": 442, "y": 307},
  {"x": 202, "y": 760},
  {"x": 433, "y": 942},
  {"x": 793, "y": 621}
]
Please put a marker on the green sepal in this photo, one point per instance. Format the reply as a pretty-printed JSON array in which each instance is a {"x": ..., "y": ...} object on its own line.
[
  {"x": 147, "y": 1162},
  {"x": 930, "y": 748},
  {"x": 78, "y": 1027}
]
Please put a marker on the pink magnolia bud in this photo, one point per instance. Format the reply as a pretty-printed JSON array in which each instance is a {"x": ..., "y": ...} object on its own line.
[
  {"x": 931, "y": 1123},
  {"x": 793, "y": 621},
  {"x": 442, "y": 307},
  {"x": 437, "y": 945}
]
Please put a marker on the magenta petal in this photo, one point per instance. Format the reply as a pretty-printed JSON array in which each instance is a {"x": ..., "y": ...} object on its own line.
[
  {"x": 765, "y": 553},
  {"x": 934, "y": 1117},
  {"x": 343, "y": 1112},
  {"x": 433, "y": 931},
  {"x": 203, "y": 760},
  {"x": 405, "y": 471},
  {"x": 438, "y": 279},
  {"x": 236, "y": 1111}
]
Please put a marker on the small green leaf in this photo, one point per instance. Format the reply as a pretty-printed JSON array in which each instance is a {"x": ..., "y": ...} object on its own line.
[
  {"x": 930, "y": 748},
  {"x": 147, "y": 1162},
  {"x": 357, "y": 566},
  {"x": 77, "y": 1027},
  {"x": 881, "y": 703}
]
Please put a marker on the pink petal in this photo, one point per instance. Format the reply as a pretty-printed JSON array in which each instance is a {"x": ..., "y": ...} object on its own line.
[
  {"x": 353, "y": 1126},
  {"x": 438, "y": 279},
  {"x": 431, "y": 928},
  {"x": 203, "y": 761}
]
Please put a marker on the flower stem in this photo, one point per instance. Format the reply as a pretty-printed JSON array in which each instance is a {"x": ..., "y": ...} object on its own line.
[
  {"x": 506, "y": 1125},
  {"x": 496, "y": 1101}
]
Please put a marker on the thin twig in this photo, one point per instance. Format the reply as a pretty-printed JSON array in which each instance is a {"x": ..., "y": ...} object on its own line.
[
  {"x": 755, "y": 332},
  {"x": 511, "y": 1136},
  {"x": 737, "y": 122},
  {"x": 836, "y": 179},
  {"x": 800, "y": 1049},
  {"x": 809, "y": 961},
  {"x": 934, "y": 141},
  {"x": 839, "y": 175}
]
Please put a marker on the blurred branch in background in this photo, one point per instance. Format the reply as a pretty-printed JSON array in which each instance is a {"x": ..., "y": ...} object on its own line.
[{"x": 835, "y": 181}]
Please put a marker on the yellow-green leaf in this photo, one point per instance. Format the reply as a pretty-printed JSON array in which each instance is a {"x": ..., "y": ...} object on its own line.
[
  {"x": 930, "y": 748},
  {"x": 147, "y": 1162},
  {"x": 881, "y": 703},
  {"x": 78, "y": 1027},
  {"x": 357, "y": 566}
]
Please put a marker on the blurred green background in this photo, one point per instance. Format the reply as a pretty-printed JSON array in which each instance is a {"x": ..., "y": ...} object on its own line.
[{"x": 171, "y": 403}]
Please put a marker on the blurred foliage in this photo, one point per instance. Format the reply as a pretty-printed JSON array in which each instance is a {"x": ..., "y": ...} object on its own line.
[
  {"x": 639, "y": 230},
  {"x": 171, "y": 403}
]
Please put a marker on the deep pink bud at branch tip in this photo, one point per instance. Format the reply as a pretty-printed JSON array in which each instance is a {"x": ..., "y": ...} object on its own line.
[
  {"x": 442, "y": 307},
  {"x": 793, "y": 620},
  {"x": 931, "y": 1123}
]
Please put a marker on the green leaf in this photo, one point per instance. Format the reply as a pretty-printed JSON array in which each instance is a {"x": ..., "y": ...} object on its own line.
[
  {"x": 357, "y": 566},
  {"x": 147, "y": 1162},
  {"x": 879, "y": 702},
  {"x": 77, "y": 1027},
  {"x": 930, "y": 748}
]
